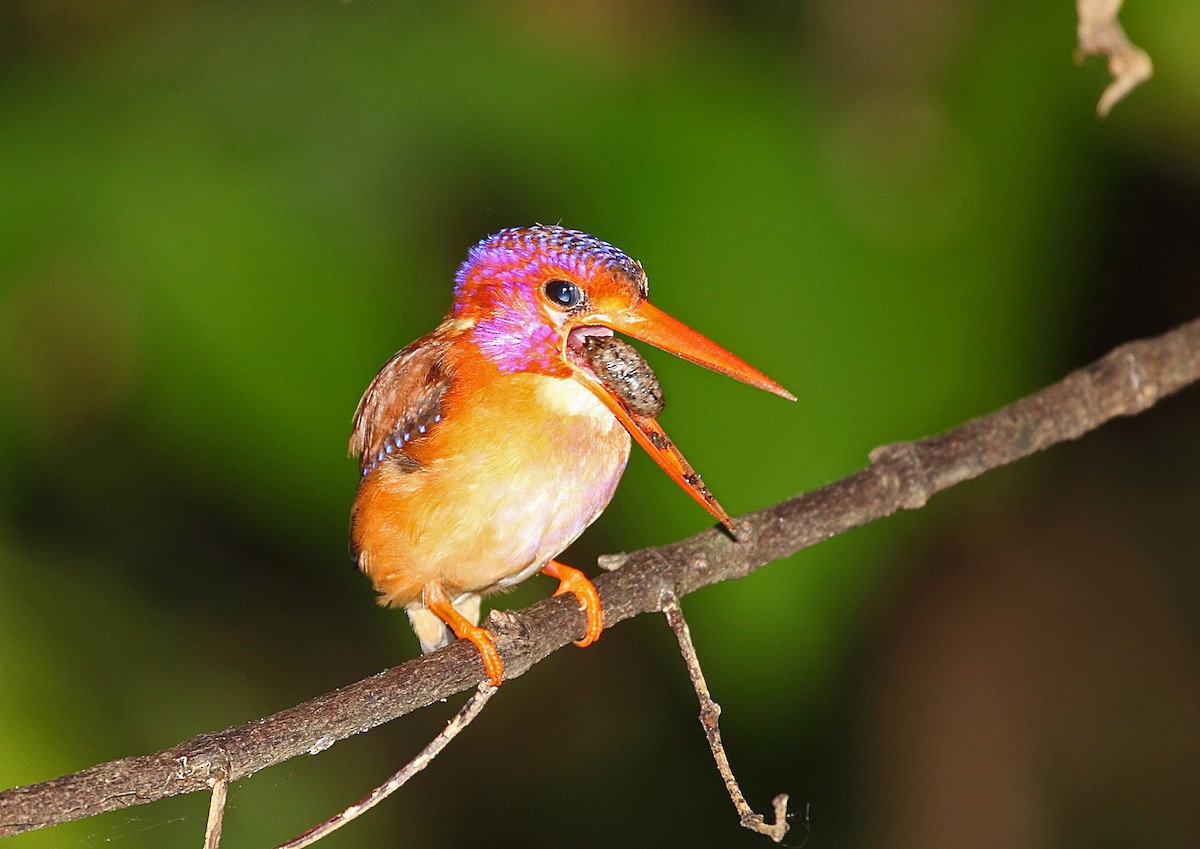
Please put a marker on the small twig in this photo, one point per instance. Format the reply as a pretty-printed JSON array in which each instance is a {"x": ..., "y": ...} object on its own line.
[
  {"x": 216, "y": 810},
  {"x": 461, "y": 720},
  {"x": 710, "y": 712},
  {"x": 1100, "y": 34}
]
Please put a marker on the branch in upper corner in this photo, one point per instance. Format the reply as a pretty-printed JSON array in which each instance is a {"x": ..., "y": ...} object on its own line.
[
  {"x": 1125, "y": 382},
  {"x": 1100, "y": 34},
  {"x": 710, "y": 714}
]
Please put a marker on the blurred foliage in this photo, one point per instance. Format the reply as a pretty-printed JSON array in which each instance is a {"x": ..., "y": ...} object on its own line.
[{"x": 218, "y": 219}]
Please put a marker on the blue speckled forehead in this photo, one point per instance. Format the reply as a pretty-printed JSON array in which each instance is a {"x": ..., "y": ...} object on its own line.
[{"x": 529, "y": 251}]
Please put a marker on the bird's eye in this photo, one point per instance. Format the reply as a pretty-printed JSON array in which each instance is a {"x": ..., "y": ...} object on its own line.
[{"x": 563, "y": 293}]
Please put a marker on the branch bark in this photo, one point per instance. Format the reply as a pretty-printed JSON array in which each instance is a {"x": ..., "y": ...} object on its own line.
[{"x": 903, "y": 475}]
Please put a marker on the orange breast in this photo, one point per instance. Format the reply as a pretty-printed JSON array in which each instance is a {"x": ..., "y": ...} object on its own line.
[{"x": 519, "y": 465}]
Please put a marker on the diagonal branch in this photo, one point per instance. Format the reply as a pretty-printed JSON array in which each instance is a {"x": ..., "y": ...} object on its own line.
[
  {"x": 454, "y": 727},
  {"x": 904, "y": 475}
]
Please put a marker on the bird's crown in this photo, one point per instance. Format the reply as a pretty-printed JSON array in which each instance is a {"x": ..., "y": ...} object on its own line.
[{"x": 528, "y": 256}]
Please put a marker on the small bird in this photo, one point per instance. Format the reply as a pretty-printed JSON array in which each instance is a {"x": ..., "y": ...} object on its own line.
[{"x": 489, "y": 445}]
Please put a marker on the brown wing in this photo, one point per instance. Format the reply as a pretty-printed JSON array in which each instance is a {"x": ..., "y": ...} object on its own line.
[{"x": 402, "y": 403}]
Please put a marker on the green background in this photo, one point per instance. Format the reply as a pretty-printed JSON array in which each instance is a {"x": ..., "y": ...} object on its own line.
[{"x": 218, "y": 219}]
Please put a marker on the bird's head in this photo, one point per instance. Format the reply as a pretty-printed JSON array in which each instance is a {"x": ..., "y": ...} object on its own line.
[{"x": 534, "y": 296}]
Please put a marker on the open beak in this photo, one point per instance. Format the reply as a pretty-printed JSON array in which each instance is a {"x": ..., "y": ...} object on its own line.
[{"x": 650, "y": 324}]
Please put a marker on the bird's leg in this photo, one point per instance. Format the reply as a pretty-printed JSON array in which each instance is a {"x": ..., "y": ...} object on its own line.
[
  {"x": 573, "y": 581},
  {"x": 436, "y": 601}
]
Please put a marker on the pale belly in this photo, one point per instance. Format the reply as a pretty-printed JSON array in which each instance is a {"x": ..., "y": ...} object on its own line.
[{"x": 482, "y": 520}]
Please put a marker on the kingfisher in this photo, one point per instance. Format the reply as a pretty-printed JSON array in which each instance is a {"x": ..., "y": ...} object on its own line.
[{"x": 487, "y": 446}]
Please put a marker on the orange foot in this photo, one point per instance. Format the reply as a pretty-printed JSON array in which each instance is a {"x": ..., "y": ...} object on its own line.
[
  {"x": 435, "y": 600},
  {"x": 573, "y": 581}
]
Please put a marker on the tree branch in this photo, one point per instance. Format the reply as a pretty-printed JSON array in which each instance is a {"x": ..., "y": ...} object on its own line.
[{"x": 904, "y": 475}]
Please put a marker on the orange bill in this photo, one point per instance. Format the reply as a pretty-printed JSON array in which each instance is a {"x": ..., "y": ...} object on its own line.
[{"x": 648, "y": 323}]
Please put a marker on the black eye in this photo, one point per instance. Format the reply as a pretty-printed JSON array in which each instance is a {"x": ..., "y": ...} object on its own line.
[{"x": 563, "y": 293}]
